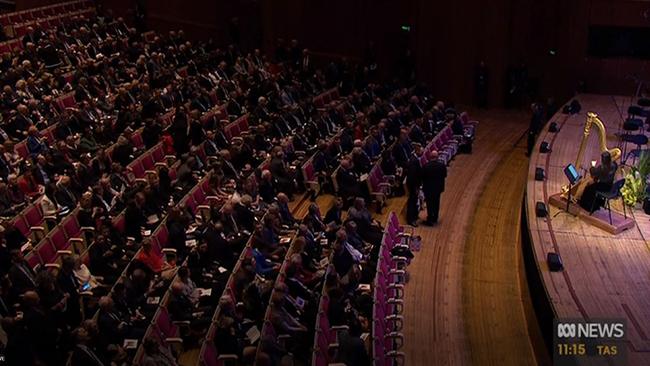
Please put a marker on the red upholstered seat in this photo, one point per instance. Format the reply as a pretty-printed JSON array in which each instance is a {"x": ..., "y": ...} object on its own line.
[
  {"x": 21, "y": 224},
  {"x": 120, "y": 224},
  {"x": 58, "y": 239},
  {"x": 33, "y": 216},
  {"x": 147, "y": 161},
  {"x": 46, "y": 252},
  {"x": 137, "y": 168},
  {"x": 71, "y": 226}
]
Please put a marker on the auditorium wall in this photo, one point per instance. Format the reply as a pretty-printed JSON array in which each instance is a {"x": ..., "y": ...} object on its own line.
[{"x": 448, "y": 38}]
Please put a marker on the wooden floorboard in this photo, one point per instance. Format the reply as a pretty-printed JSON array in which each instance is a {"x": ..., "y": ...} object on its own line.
[
  {"x": 492, "y": 290},
  {"x": 436, "y": 326}
]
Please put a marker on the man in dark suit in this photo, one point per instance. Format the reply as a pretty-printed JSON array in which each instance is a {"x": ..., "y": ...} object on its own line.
[
  {"x": 210, "y": 147},
  {"x": 413, "y": 182},
  {"x": 21, "y": 275},
  {"x": 82, "y": 353},
  {"x": 434, "y": 173},
  {"x": 68, "y": 284},
  {"x": 348, "y": 182},
  {"x": 112, "y": 327}
]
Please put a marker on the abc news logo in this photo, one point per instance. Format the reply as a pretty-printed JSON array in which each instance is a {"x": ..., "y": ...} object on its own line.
[{"x": 591, "y": 330}]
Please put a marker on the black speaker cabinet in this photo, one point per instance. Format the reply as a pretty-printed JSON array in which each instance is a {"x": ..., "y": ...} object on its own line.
[
  {"x": 539, "y": 174},
  {"x": 553, "y": 127},
  {"x": 540, "y": 209},
  {"x": 554, "y": 262},
  {"x": 544, "y": 147}
]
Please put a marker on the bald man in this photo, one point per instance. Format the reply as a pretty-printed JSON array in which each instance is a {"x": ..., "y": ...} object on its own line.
[{"x": 434, "y": 173}]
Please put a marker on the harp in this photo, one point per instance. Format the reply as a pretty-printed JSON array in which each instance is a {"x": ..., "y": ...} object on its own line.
[{"x": 591, "y": 122}]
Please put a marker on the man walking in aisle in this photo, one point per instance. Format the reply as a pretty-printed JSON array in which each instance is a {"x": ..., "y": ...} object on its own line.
[{"x": 434, "y": 173}]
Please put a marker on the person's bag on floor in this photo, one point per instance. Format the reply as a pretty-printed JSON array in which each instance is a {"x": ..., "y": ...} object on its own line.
[{"x": 415, "y": 243}]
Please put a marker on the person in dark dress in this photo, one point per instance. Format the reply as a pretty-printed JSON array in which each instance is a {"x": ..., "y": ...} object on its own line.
[{"x": 603, "y": 178}]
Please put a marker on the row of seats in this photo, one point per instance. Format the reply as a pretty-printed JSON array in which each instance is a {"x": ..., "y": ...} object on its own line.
[
  {"x": 388, "y": 292},
  {"x": 43, "y": 11},
  {"x": 162, "y": 328},
  {"x": 19, "y": 30},
  {"x": 31, "y": 221}
]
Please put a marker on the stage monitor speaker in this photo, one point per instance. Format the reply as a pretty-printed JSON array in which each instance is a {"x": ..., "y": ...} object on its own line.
[
  {"x": 539, "y": 174},
  {"x": 553, "y": 127},
  {"x": 554, "y": 262},
  {"x": 573, "y": 108},
  {"x": 544, "y": 147},
  {"x": 540, "y": 209}
]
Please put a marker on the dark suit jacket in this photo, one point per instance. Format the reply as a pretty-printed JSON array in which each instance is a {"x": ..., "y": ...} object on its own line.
[
  {"x": 348, "y": 183},
  {"x": 180, "y": 307},
  {"x": 245, "y": 217},
  {"x": 19, "y": 280},
  {"x": 414, "y": 175},
  {"x": 433, "y": 177},
  {"x": 81, "y": 358},
  {"x": 108, "y": 328}
]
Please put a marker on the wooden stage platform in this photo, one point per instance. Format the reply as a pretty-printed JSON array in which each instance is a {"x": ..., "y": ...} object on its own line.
[{"x": 605, "y": 275}]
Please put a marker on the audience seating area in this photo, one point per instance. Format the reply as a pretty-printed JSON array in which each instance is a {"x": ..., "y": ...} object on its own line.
[{"x": 148, "y": 187}]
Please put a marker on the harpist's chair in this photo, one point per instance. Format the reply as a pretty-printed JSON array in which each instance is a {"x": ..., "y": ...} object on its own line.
[{"x": 613, "y": 194}]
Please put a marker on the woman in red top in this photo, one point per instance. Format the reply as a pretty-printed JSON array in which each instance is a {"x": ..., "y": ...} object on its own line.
[
  {"x": 28, "y": 184},
  {"x": 150, "y": 258}
]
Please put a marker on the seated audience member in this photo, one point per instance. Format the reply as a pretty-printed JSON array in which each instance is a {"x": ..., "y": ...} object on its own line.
[
  {"x": 348, "y": 181},
  {"x": 151, "y": 260},
  {"x": 82, "y": 353},
  {"x": 112, "y": 327},
  {"x": 154, "y": 355}
]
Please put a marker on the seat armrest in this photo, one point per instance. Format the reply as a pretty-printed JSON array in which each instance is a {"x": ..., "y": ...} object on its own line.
[
  {"x": 227, "y": 357},
  {"x": 397, "y": 338},
  {"x": 169, "y": 250},
  {"x": 88, "y": 229},
  {"x": 339, "y": 328},
  {"x": 49, "y": 218},
  {"x": 52, "y": 265},
  {"x": 63, "y": 252},
  {"x": 176, "y": 340}
]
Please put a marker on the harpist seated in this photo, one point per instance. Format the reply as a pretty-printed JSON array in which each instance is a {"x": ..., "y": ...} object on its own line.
[{"x": 603, "y": 178}]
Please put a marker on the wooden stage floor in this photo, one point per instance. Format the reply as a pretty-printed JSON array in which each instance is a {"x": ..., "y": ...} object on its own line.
[
  {"x": 605, "y": 275},
  {"x": 463, "y": 304}
]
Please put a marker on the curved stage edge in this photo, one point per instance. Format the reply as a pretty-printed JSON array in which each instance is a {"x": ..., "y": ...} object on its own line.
[{"x": 605, "y": 276}]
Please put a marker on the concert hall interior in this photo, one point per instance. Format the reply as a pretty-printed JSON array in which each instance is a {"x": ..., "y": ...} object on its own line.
[{"x": 341, "y": 182}]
